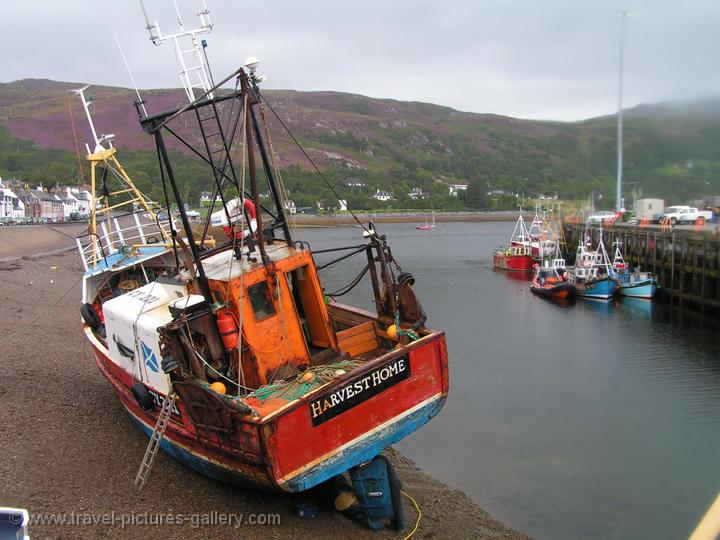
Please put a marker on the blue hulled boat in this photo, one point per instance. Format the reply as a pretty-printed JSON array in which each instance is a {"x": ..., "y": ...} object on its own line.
[
  {"x": 591, "y": 283},
  {"x": 636, "y": 284},
  {"x": 593, "y": 275}
]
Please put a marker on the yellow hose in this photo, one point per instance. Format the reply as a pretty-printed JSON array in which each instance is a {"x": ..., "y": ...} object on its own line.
[{"x": 419, "y": 513}]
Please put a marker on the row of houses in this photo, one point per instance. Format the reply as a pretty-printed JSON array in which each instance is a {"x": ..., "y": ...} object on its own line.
[
  {"x": 415, "y": 193},
  {"x": 19, "y": 202}
]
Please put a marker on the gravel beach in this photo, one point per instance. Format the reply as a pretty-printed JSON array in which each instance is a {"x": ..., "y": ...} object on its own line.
[{"x": 69, "y": 451}]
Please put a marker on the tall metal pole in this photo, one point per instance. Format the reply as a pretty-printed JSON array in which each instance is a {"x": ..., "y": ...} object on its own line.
[
  {"x": 254, "y": 183},
  {"x": 272, "y": 182},
  {"x": 623, "y": 15}
]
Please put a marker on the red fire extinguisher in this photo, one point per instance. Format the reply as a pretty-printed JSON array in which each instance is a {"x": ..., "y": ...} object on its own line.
[{"x": 228, "y": 328}]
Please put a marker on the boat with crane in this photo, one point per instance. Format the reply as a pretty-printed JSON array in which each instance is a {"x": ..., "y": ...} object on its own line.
[{"x": 232, "y": 358}]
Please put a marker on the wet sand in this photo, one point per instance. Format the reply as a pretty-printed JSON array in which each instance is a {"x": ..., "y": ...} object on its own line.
[{"x": 66, "y": 444}]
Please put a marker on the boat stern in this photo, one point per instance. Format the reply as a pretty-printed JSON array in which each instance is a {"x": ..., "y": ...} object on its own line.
[{"x": 356, "y": 417}]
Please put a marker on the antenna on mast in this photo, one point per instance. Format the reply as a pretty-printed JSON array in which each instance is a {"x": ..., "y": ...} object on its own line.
[
  {"x": 127, "y": 66},
  {"x": 99, "y": 141},
  {"x": 193, "y": 68}
]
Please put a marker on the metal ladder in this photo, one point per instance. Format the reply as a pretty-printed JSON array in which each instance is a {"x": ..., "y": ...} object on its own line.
[
  {"x": 217, "y": 151},
  {"x": 155, "y": 439}
]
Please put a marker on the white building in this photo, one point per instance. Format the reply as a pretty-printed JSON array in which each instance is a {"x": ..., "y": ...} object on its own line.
[
  {"x": 84, "y": 201},
  {"x": 355, "y": 182},
  {"x": 382, "y": 196},
  {"x": 457, "y": 188},
  {"x": 75, "y": 200},
  {"x": 69, "y": 204},
  {"x": 648, "y": 208},
  {"x": 206, "y": 197},
  {"x": 11, "y": 207},
  {"x": 290, "y": 207},
  {"x": 343, "y": 205}
]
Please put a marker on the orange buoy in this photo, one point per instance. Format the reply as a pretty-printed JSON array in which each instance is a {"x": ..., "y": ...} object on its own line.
[
  {"x": 228, "y": 328},
  {"x": 392, "y": 331},
  {"x": 218, "y": 387}
]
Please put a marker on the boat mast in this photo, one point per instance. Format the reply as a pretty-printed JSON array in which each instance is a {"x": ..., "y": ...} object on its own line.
[
  {"x": 202, "y": 97},
  {"x": 619, "y": 203},
  {"x": 193, "y": 68}
]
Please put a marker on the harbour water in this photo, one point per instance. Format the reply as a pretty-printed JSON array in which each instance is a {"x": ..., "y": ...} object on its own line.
[{"x": 589, "y": 420}]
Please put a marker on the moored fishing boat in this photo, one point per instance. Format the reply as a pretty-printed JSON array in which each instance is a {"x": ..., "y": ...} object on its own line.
[
  {"x": 590, "y": 282},
  {"x": 514, "y": 259},
  {"x": 517, "y": 256},
  {"x": 550, "y": 280},
  {"x": 637, "y": 284},
  {"x": 593, "y": 275},
  {"x": 229, "y": 357}
]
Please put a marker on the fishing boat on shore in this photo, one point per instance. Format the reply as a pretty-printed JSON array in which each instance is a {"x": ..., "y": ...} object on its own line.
[
  {"x": 637, "y": 284},
  {"x": 231, "y": 357},
  {"x": 517, "y": 256}
]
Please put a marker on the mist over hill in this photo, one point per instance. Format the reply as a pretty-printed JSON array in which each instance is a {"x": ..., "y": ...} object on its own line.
[{"x": 671, "y": 150}]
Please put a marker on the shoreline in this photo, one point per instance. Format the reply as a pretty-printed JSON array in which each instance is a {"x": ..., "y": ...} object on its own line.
[
  {"x": 69, "y": 446},
  {"x": 328, "y": 220},
  {"x": 19, "y": 242}
]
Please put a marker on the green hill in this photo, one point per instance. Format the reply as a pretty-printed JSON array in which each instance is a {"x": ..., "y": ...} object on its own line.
[{"x": 671, "y": 150}]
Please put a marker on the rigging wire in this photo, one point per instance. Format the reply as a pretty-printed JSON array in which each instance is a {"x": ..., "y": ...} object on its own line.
[
  {"x": 344, "y": 290},
  {"x": 77, "y": 149},
  {"x": 278, "y": 175},
  {"x": 327, "y": 182},
  {"x": 169, "y": 215},
  {"x": 48, "y": 310}
]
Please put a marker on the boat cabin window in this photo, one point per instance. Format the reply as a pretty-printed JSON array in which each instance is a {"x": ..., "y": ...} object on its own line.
[{"x": 261, "y": 301}]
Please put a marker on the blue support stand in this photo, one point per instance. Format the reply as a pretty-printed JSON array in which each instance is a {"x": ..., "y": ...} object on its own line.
[{"x": 378, "y": 489}]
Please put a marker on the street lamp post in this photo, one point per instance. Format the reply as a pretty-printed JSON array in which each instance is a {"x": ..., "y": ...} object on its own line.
[{"x": 619, "y": 203}]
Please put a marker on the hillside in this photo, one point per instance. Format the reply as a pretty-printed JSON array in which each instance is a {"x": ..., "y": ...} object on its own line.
[{"x": 671, "y": 150}]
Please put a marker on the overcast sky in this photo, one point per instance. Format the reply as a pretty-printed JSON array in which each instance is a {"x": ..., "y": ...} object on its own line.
[{"x": 549, "y": 59}]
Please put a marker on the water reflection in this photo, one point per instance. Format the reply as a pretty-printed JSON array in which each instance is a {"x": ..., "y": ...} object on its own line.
[
  {"x": 560, "y": 302},
  {"x": 516, "y": 276},
  {"x": 638, "y": 307},
  {"x": 574, "y": 420}
]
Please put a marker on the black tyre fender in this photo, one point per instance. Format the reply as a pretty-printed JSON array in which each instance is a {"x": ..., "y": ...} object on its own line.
[
  {"x": 143, "y": 396},
  {"x": 90, "y": 316}
]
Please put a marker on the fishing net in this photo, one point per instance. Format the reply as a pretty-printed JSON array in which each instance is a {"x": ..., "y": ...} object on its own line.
[{"x": 304, "y": 382}]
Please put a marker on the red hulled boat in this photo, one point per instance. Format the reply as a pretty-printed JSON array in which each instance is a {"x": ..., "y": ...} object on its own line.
[
  {"x": 228, "y": 356},
  {"x": 517, "y": 257}
]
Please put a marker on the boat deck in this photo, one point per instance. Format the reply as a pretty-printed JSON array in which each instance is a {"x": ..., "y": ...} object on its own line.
[
  {"x": 118, "y": 259},
  {"x": 287, "y": 394}
]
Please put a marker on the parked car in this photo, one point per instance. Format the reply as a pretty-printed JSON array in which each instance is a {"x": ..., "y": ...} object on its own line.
[
  {"x": 602, "y": 216},
  {"x": 685, "y": 214}
]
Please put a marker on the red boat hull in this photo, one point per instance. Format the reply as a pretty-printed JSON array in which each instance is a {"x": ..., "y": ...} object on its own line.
[
  {"x": 562, "y": 290},
  {"x": 513, "y": 263},
  {"x": 289, "y": 449}
]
